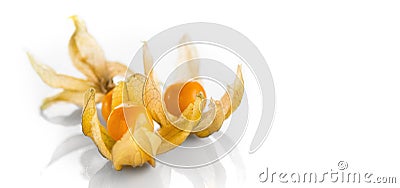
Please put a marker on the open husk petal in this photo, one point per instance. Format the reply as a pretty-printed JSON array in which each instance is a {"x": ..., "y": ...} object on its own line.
[
  {"x": 232, "y": 98},
  {"x": 211, "y": 121},
  {"x": 86, "y": 55},
  {"x": 188, "y": 52},
  {"x": 53, "y": 79},
  {"x": 223, "y": 108},
  {"x": 118, "y": 93},
  {"x": 134, "y": 88},
  {"x": 152, "y": 94},
  {"x": 147, "y": 59},
  {"x": 74, "y": 97},
  {"x": 92, "y": 127},
  {"x": 137, "y": 146},
  {"x": 175, "y": 133},
  {"x": 129, "y": 92}
]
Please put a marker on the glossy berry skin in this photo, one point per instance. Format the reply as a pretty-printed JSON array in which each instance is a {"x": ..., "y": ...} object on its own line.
[
  {"x": 120, "y": 116},
  {"x": 106, "y": 105},
  {"x": 179, "y": 96}
]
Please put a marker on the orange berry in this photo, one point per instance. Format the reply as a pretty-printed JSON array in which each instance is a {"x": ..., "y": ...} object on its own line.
[
  {"x": 106, "y": 105},
  {"x": 171, "y": 98},
  {"x": 179, "y": 96},
  {"x": 116, "y": 124},
  {"x": 188, "y": 94}
]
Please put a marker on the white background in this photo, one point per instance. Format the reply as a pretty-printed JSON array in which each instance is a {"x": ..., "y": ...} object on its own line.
[{"x": 335, "y": 65}]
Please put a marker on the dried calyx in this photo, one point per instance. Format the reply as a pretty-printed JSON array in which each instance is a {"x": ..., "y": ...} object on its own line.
[{"x": 88, "y": 57}]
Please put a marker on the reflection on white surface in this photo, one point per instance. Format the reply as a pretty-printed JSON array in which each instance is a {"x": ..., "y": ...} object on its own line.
[
  {"x": 214, "y": 175},
  {"x": 209, "y": 176},
  {"x": 145, "y": 176},
  {"x": 101, "y": 173},
  {"x": 70, "y": 145},
  {"x": 71, "y": 119},
  {"x": 92, "y": 161}
]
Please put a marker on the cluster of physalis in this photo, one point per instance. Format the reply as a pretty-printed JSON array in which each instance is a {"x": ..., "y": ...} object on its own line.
[{"x": 131, "y": 107}]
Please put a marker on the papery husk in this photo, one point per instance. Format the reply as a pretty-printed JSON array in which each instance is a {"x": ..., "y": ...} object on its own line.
[
  {"x": 118, "y": 95},
  {"x": 171, "y": 135},
  {"x": 92, "y": 127},
  {"x": 137, "y": 146},
  {"x": 53, "y": 79},
  {"x": 175, "y": 133},
  {"x": 212, "y": 122},
  {"x": 125, "y": 151},
  {"x": 137, "y": 150},
  {"x": 74, "y": 97},
  {"x": 86, "y": 55},
  {"x": 152, "y": 94},
  {"x": 135, "y": 86},
  {"x": 129, "y": 91},
  {"x": 188, "y": 52},
  {"x": 223, "y": 108},
  {"x": 232, "y": 98}
]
